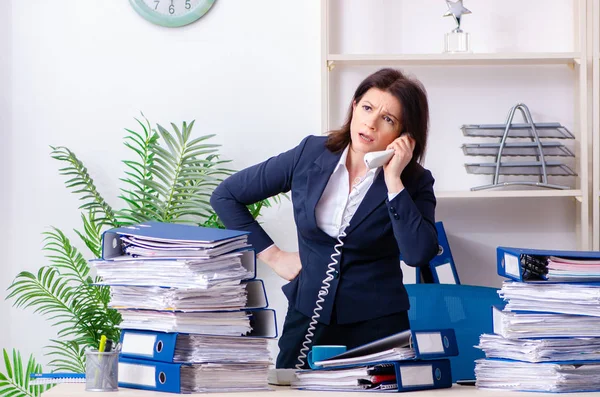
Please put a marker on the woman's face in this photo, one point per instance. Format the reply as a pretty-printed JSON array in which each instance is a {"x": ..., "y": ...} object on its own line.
[{"x": 375, "y": 121}]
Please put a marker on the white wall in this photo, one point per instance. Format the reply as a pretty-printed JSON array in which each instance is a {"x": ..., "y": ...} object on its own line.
[
  {"x": 5, "y": 162},
  {"x": 80, "y": 71}
]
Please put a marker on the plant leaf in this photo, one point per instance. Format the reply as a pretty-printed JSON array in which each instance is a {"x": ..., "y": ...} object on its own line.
[
  {"x": 75, "y": 167},
  {"x": 16, "y": 381}
]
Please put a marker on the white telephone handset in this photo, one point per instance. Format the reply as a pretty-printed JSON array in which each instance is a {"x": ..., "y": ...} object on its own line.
[{"x": 377, "y": 159}]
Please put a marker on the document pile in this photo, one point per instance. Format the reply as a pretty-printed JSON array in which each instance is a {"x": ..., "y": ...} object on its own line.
[
  {"x": 409, "y": 360},
  {"x": 193, "y": 312},
  {"x": 547, "y": 338}
]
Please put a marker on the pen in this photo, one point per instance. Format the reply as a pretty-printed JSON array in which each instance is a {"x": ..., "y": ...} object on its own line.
[
  {"x": 56, "y": 375},
  {"x": 102, "y": 345},
  {"x": 99, "y": 375},
  {"x": 108, "y": 346}
]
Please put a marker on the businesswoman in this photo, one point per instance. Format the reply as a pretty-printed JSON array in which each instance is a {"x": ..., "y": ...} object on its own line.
[{"x": 386, "y": 212}]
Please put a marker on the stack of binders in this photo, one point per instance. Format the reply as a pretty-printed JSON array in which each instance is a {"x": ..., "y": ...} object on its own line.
[
  {"x": 195, "y": 319},
  {"x": 547, "y": 337},
  {"x": 406, "y": 361}
]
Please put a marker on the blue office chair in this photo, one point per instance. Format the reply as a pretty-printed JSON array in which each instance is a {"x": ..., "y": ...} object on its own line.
[{"x": 466, "y": 308}]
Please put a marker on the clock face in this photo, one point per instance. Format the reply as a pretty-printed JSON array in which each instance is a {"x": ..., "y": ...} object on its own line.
[{"x": 172, "y": 13}]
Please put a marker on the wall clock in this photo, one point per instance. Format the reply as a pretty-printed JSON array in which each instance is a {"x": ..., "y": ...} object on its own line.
[{"x": 172, "y": 13}]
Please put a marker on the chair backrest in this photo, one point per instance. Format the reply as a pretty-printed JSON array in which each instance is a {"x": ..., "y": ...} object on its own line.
[{"x": 465, "y": 308}]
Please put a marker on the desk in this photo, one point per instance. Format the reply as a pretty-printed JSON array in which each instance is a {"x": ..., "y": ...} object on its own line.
[{"x": 78, "y": 390}]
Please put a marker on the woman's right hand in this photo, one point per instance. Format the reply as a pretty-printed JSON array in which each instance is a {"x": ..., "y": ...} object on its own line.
[{"x": 287, "y": 265}]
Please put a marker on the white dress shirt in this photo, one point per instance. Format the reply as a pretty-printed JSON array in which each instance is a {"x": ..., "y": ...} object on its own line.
[{"x": 336, "y": 207}]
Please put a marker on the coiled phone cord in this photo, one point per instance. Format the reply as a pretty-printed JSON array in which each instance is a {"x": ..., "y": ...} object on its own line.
[{"x": 324, "y": 291}]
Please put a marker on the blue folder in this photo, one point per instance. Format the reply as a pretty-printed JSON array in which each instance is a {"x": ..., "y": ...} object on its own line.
[
  {"x": 512, "y": 262},
  {"x": 442, "y": 265},
  {"x": 150, "y": 375},
  {"x": 442, "y": 268},
  {"x": 427, "y": 344}
]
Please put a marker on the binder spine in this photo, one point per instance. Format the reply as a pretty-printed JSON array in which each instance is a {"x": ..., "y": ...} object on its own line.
[
  {"x": 435, "y": 344},
  {"x": 423, "y": 375},
  {"x": 156, "y": 346},
  {"x": 263, "y": 323},
  {"x": 249, "y": 260},
  {"x": 150, "y": 375},
  {"x": 256, "y": 294}
]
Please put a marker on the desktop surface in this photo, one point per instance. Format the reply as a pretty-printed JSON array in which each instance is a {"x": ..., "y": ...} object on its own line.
[{"x": 78, "y": 389}]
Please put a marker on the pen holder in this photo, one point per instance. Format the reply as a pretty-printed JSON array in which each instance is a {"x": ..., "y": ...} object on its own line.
[{"x": 101, "y": 370}]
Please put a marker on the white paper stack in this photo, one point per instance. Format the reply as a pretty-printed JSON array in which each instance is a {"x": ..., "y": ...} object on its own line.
[
  {"x": 221, "y": 297},
  {"x": 544, "y": 325},
  {"x": 205, "y": 349},
  {"x": 188, "y": 299},
  {"x": 156, "y": 246},
  {"x": 579, "y": 299},
  {"x": 200, "y": 378},
  {"x": 547, "y": 337},
  {"x": 174, "y": 272},
  {"x": 235, "y": 323},
  {"x": 545, "y": 377},
  {"x": 540, "y": 350},
  {"x": 351, "y": 379}
]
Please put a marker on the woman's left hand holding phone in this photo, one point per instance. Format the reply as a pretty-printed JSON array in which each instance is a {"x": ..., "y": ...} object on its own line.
[
  {"x": 403, "y": 152},
  {"x": 286, "y": 264}
]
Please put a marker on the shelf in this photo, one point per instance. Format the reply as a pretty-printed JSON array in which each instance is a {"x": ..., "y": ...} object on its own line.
[
  {"x": 576, "y": 193},
  {"x": 525, "y": 58}
]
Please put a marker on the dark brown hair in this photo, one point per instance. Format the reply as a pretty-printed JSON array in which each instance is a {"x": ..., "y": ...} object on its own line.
[{"x": 415, "y": 110}]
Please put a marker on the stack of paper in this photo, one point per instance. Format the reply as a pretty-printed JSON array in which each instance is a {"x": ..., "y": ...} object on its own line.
[
  {"x": 580, "y": 299},
  {"x": 189, "y": 302},
  {"x": 544, "y": 377},
  {"x": 218, "y": 323},
  {"x": 373, "y": 377},
  {"x": 547, "y": 337},
  {"x": 544, "y": 325},
  {"x": 225, "y": 296},
  {"x": 206, "y": 349},
  {"x": 200, "y": 378},
  {"x": 150, "y": 246},
  {"x": 222, "y": 297},
  {"x": 540, "y": 350},
  {"x": 176, "y": 272}
]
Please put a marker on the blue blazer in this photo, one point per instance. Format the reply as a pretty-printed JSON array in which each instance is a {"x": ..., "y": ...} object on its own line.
[{"x": 368, "y": 278}]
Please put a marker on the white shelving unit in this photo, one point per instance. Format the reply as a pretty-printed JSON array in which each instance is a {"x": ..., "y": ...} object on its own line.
[
  {"x": 595, "y": 51},
  {"x": 556, "y": 58},
  {"x": 577, "y": 61}
]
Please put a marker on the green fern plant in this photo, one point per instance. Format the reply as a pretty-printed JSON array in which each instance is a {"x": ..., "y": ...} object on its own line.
[
  {"x": 169, "y": 179},
  {"x": 16, "y": 380}
]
